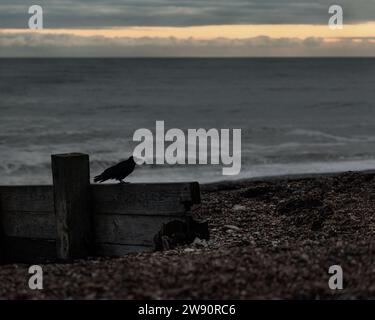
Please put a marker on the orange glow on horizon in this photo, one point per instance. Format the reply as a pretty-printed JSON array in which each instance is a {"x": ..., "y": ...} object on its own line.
[{"x": 365, "y": 30}]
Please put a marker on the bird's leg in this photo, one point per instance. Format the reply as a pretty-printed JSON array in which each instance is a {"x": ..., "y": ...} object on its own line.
[{"x": 123, "y": 182}]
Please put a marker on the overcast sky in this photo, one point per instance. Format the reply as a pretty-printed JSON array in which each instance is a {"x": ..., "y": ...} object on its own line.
[
  {"x": 108, "y": 13},
  {"x": 96, "y": 15}
]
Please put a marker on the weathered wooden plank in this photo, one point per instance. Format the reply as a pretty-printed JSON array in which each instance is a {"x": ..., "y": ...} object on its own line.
[
  {"x": 130, "y": 229},
  {"x": 118, "y": 250},
  {"x": 71, "y": 185},
  {"x": 145, "y": 199},
  {"x": 127, "y": 217},
  {"x": 29, "y": 250},
  {"x": 29, "y": 224},
  {"x": 2, "y": 238},
  {"x": 26, "y": 198}
]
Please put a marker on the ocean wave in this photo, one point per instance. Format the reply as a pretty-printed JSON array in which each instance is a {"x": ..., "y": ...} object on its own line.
[{"x": 320, "y": 134}]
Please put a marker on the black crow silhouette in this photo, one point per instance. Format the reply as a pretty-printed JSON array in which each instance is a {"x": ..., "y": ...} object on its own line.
[{"x": 118, "y": 172}]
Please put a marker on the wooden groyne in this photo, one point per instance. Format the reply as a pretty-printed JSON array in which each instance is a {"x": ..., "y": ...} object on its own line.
[{"x": 75, "y": 219}]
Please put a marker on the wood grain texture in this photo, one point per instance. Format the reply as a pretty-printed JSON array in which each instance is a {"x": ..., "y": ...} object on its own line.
[
  {"x": 29, "y": 224},
  {"x": 144, "y": 199},
  {"x": 68, "y": 219},
  {"x": 27, "y": 198},
  {"x": 2, "y": 239},
  {"x": 29, "y": 250},
  {"x": 130, "y": 229},
  {"x": 26, "y": 212},
  {"x": 72, "y": 205}
]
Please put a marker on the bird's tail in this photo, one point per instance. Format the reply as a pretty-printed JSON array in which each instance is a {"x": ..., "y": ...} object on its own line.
[{"x": 99, "y": 178}]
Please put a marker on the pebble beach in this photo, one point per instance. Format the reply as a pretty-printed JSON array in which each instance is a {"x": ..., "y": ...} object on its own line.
[{"x": 269, "y": 239}]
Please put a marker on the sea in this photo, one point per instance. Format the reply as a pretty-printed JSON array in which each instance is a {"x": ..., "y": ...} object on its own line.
[{"x": 296, "y": 115}]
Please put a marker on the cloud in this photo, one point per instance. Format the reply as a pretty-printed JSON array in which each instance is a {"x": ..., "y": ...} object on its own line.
[
  {"x": 65, "y": 45},
  {"x": 99, "y": 13}
]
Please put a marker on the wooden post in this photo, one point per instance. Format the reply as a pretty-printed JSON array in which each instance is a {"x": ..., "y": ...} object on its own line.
[
  {"x": 2, "y": 246},
  {"x": 71, "y": 186}
]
